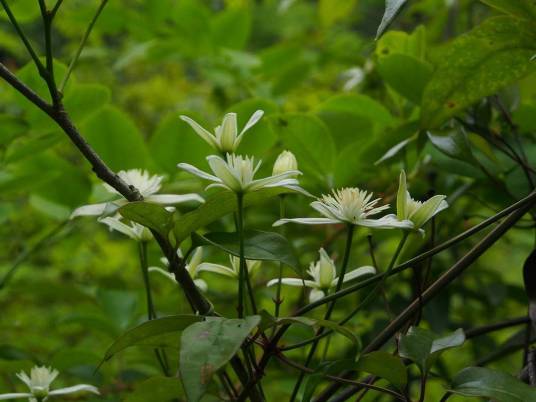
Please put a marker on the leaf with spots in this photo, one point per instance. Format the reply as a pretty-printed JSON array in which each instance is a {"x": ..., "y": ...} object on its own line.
[
  {"x": 206, "y": 347},
  {"x": 478, "y": 64}
]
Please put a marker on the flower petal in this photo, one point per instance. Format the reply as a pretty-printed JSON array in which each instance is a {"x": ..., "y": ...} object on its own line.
[
  {"x": 197, "y": 172},
  {"x": 217, "y": 269},
  {"x": 255, "y": 117},
  {"x": 75, "y": 388},
  {"x": 315, "y": 295},
  {"x": 168, "y": 275},
  {"x": 387, "y": 222},
  {"x": 89, "y": 210},
  {"x": 168, "y": 199},
  {"x": 15, "y": 396},
  {"x": 428, "y": 209},
  {"x": 116, "y": 224},
  {"x": 203, "y": 133},
  {"x": 356, "y": 273},
  {"x": 292, "y": 282},
  {"x": 306, "y": 221},
  {"x": 402, "y": 197},
  {"x": 201, "y": 284},
  {"x": 222, "y": 171}
]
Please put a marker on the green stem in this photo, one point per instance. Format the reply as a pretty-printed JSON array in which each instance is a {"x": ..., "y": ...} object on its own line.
[
  {"x": 72, "y": 65},
  {"x": 331, "y": 307},
  {"x": 278, "y": 300}
]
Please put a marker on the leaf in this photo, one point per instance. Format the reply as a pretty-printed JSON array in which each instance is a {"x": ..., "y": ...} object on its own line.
[
  {"x": 392, "y": 8},
  {"x": 487, "y": 383},
  {"x": 478, "y": 64},
  {"x": 332, "y": 11},
  {"x": 406, "y": 74},
  {"x": 454, "y": 144},
  {"x": 115, "y": 137},
  {"x": 424, "y": 347},
  {"x": 218, "y": 205},
  {"x": 156, "y": 389},
  {"x": 384, "y": 365},
  {"x": 150, "y": 329},
  {"x": 393, "y": 151},
  {"x": 150, "y": 215},
  {"x": 529, "y": 278},
  {"x": 525, "y": 9},
  {"x": 231, "y": 28},
  {"x": 85, "y": 99},
  {"x": 206, "y": 347},
  {"x": 258, "y": 245}
]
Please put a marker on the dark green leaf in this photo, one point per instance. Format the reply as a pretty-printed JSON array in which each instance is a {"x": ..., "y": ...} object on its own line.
[
  {"x": 206, "y": 347},
  {"x": 151, "y": 329},
  {"x": 258, "y": 245},
  {"x": 156, "y": 389},
  {"x": 529, "y": 277},
  {"x": 454, "y": 144},
  {"x": 392, "y": 8},
  {"x": 150, "y": 215},
  {"x": 218, "y": 205},
  {"x": 487, "y": 383},
  {"x": 384, "y": 365},
  {"x": 478, "y": 64}
]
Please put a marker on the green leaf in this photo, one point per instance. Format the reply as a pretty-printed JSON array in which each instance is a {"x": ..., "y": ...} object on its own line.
[
  {"x": 156, "y": 389},
  {"x": 525, "y": 9},
  {"x": 114, "y": 136},
  {"x": 529, "y": 278},
  {"x": 258, "y": 245},
  {"x": 478, "y": 64},
  {"x": 332, "y": 11},
  {"x": 487, "y": 383},
  {"x": 384, "y": 365},
  {"x": 454, "y": 144},
  {"x": 206, "y": 347},
  {"x": 406, "y": 74},
  {"x": 310, "y": 140},
  {"x": 151, "y": 329},
  {"x": 85, "y": 99},
  {"x": 218, "y": 205},
  {"x": 392, "y": 8},
  {"x": 424, "y": 347},
  {"x": 231, "y": 28},
  {"x": 150, "y": 215}
]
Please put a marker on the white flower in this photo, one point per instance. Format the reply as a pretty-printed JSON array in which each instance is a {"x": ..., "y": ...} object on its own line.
[
  {"x": 39, "y": 384},
  {"x": 237, "y": 172},
  {"x": 133, "y": 230},
  {"x": 192, "y": 267},
  {"x": 416, "y": 212},
  {"x": 286, "y": 161},
  {"x": 146, "y": 184},
  {"x": 233, "y": 271},
  {"x": 225, "y": 137},
  {"x": 324, "y": 276},
  {"x": 352, "y": 206}
]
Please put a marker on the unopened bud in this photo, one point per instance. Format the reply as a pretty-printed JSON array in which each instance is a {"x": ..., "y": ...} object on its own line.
[{"x": 285, "y": 161}]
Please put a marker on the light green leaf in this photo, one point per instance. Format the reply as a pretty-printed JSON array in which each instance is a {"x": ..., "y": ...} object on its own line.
[
  {"x": 150, "y": 215},
  {"x": 525, "y": 9},
  {"x": 258, "y": 245},
  {"x": 487, "y": 383},
  {"x": 206, "y": 347},
  {"x": 85, "y": 99},
  {"x": 384, "y": 365},
  {"x": 478, "y": 64},
  {"x": 156, "y": 389},
  {"x": 218, "y": 205},
  {"x": 332, "y": 11},
  {"x": 150, "y": 329},
  {"x": 392, "y": 8},
  {"x": 231, "y": 28}
]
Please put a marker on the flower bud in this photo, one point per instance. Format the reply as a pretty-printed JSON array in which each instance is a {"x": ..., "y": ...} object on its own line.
[
  {"x": 285, "y": 161},
  {"x": 228, "y": 133},
  {"x": 326, "y": 269}
]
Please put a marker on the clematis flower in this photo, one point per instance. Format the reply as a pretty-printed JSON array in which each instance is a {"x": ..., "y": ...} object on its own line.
[
  {"x": 324, "y": 276},
  {"x": 133, "y": 230},
  {"x": 39, "y": 384},
  {"x": 233, "y": 271},
  {"x": 225, "y": 137},
  {"x": 351, "y": 206},
  {"x": 286, "y": 161},
  {"x": 237, "y": 174},
  {"x": 146, "y": 184},
  {"x": 416, "y": 212},
  {"x": 192, "y": 267}
]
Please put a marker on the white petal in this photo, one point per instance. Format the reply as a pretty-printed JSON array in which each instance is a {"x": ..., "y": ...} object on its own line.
[
  {"x": 14, "y": 396},
  {"x": 402, "y": 197},
  {"x": 168, "y": 275},
  {"x": 206, "y": 135},
  {"x": 221, "y": 169},
  {"x": 315, "y": 295},
  {"x": 386, "y": 222},
  {"x": 306, "y": 221},
  {"x": 217, "y": 269},
  {"x": 292, "y": 282},
  {"x": 119, "y": 226},
  {"x": 75, "y": 388},
  {"x": 428, "y": 209},
  {"x": 356, "y": 273},
  {"x": 168, "y": 199},
  {"x": 197, "y": 172},
  {"x": 201, "y": 284},
  {"x": 218, "y": 185},
  {"x": 89, "y": 210}
]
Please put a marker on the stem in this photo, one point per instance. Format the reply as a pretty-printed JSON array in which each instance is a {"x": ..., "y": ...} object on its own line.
[
  {"x": 423, "y": 387},
  {"x": 346, "y": 258},
  {"x": 278, "y": 300},
  {"x": 240, "y": 230},
  {"x": 83, "y": 42},
  {"x": 49, "y": 78}
]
